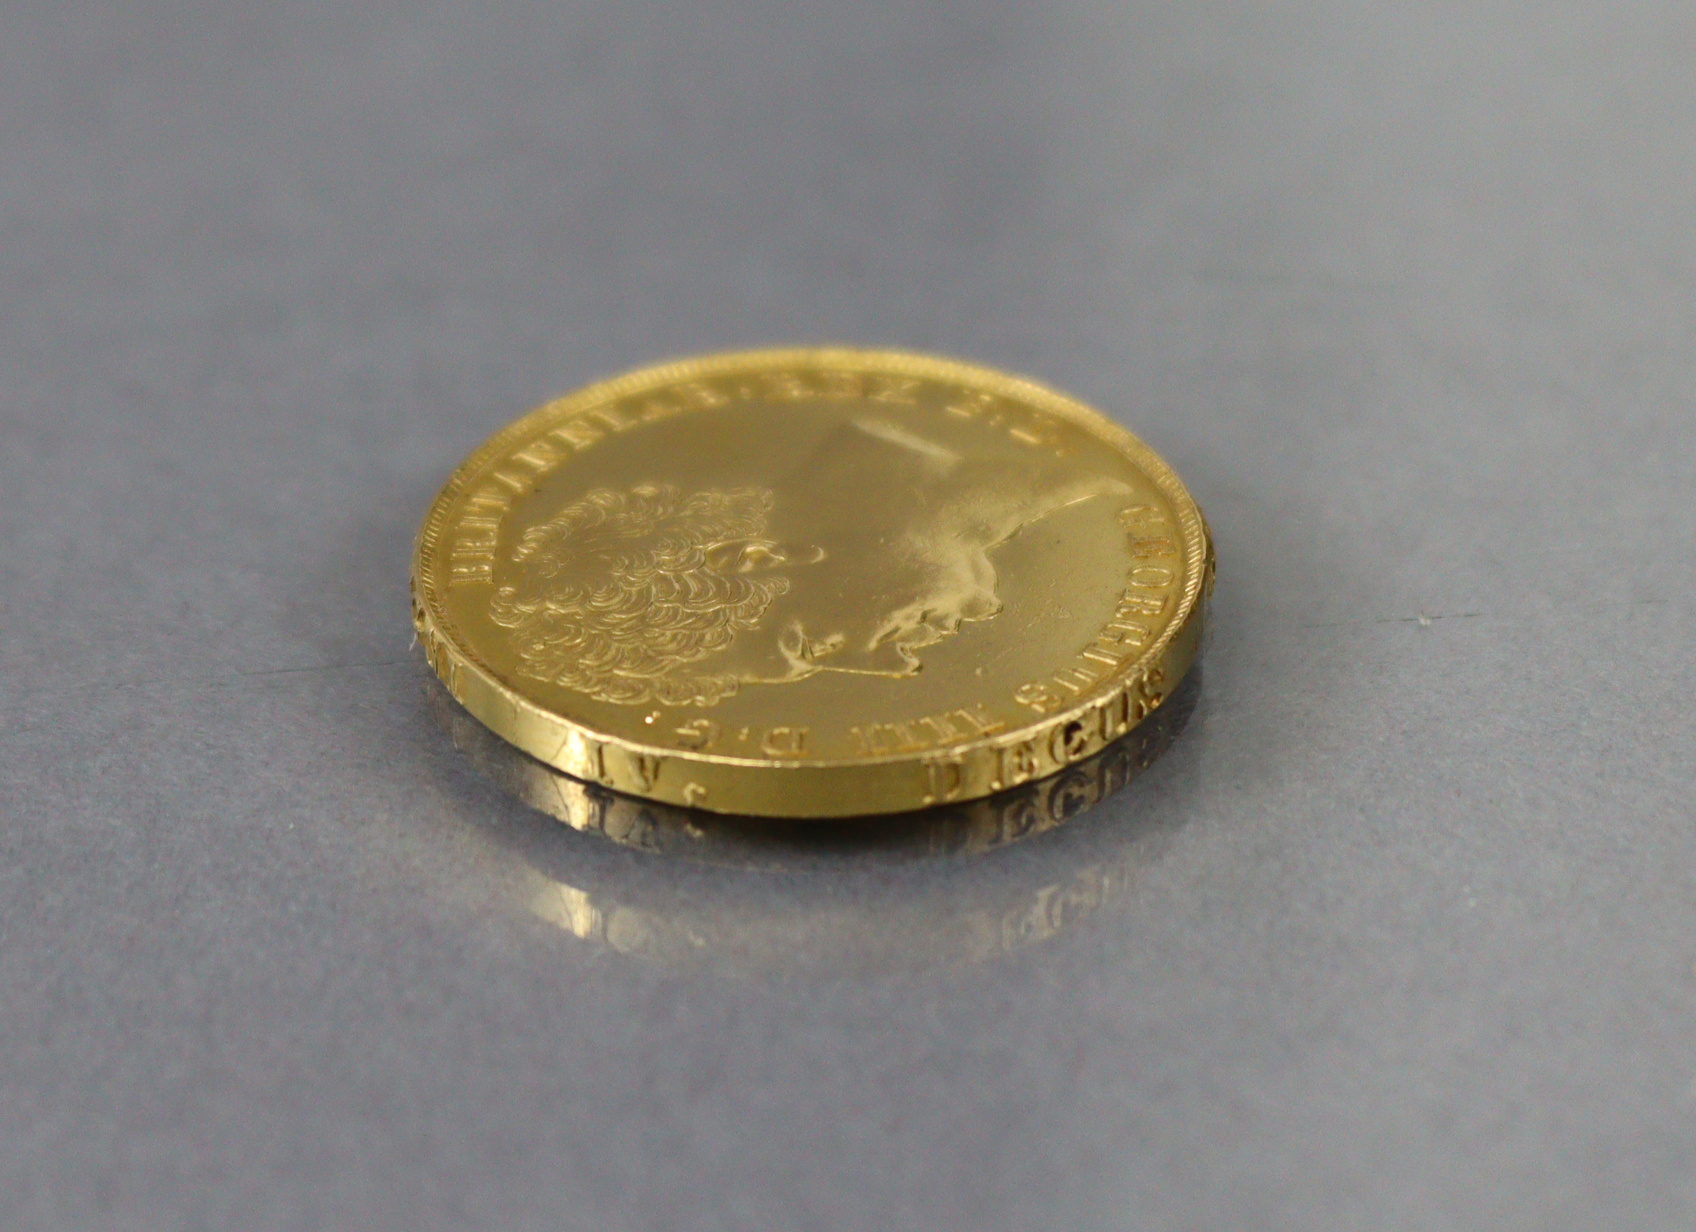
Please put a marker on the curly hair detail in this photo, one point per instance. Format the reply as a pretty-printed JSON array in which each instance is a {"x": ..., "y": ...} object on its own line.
[{"x": 618, "y": 595}]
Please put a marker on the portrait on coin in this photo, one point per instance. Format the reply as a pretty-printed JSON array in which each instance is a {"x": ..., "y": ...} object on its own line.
[{"x": 662, "y": 594}]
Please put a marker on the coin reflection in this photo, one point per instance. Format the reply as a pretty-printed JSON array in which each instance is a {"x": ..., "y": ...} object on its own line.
[{"x": 761, "y": 896}]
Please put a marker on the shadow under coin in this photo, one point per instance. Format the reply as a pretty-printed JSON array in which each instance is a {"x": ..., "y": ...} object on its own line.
[{"x": 761, "y": 897}]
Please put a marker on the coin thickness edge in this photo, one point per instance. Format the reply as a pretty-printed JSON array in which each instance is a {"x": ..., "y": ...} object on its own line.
[{"x": 812, "y": 583}]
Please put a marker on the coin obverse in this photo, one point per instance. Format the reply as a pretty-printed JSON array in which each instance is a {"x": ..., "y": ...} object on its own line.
[{"x": 812, "y": 583}]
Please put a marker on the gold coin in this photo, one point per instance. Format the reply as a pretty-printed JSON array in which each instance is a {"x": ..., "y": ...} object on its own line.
[{"x": 812, "y": 583}]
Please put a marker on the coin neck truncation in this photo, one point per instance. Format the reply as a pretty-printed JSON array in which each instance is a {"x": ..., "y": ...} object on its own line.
[{"x": 661, "y": 595}]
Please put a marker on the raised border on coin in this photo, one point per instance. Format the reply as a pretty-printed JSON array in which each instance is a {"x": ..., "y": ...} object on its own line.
[{"x": 1063, "y": 730}]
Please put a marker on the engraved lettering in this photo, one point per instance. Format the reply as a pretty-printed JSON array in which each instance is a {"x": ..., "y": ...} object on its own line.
[
  {"x": 1140, "y": 605},
  {"x": 1142, "y": 549},
  {"x": 698, "y": 396},
  {"x": 489, "y": 500},
  {"x": 878, "y": 738},
  {"x": 987, "y": 408},
  {"x": 1148, "y": 686},
  {"x": 1076, "y": 679},
  {"x": 1124, "y": 633},
  {"x": 1141, "y": 517},
  {"x": 592, "y": 425},
  {"x": 1034, "y": 432},
  {"x": 538, "y": 455},
  {"x": 612, "y": 417},
  {"x": 954, "y": 727},
  {"x": 985, "y": 725},
  {"x": 1115, "y": 717},
  {"x": 471, "y": 572},
  {"x": 897, "y": 390},
  {"x": 698, "y": 734},
  {"x": 644, "y": 768},
  {"x": 970, "y": 404},
  {"x": 1151, "y": 577},
  {"x": 472, "y": 553},
  {"x": 906, "y": 739},
  {"x": 1038, "y": 697},
  {"x": 944, "y": 778},
  {"x": 694, "y": 794},
  {"x": 1069, "y": 741},
  {"x": 578, "y": 433},
  {"x": 482, "y": 536},
  {"x": 784, "y": 742},
  {"x": 512, "y": 481},
  {"x": 1018, "y": 764},
  {"x": 940, "y": 727}
]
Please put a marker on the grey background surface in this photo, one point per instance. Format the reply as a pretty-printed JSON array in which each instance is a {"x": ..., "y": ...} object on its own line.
[{"x": 1405, "y": 922}]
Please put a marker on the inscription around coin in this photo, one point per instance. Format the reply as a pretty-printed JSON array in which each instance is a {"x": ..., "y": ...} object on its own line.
[
  {"x": 477, "y": 530},
  {"x": 691, "y": 582},
  {"x": 954, "y": 727},
  {"x": 633, "y": 596}
]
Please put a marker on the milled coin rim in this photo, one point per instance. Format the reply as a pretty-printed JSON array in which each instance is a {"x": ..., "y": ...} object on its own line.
[{"x": 451, "y": 656}]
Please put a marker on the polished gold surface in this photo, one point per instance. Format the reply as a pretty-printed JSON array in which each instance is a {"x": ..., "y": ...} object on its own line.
[{"x": 812, "y": 583}]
